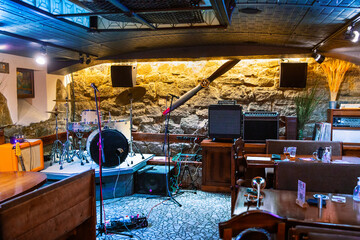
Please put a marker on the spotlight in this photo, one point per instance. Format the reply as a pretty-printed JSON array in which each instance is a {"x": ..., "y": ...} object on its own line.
[
  {"x": 88, "y": 59},
  {"x": 81, "y": 58},
  {"x": 352, "y": 34},
  {"x": 41, "y": 58},
  {"x": 318, "y": 57}
]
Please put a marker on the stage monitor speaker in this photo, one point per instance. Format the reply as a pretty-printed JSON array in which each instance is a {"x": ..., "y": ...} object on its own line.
[
  {"x": 225, "y": 121},
  {"x": 260, "y": 125},
  {"x": 123, "y": 76},
  {"x": 31, "y": 151},
  {"x": 152, "y": 179}
]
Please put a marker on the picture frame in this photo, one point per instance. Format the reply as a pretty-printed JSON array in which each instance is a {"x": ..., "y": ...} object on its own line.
[{"x": 25, "y": 83}]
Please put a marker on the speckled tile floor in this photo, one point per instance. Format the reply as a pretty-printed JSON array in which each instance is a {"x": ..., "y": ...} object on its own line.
[{"x": 197, "y": 218}]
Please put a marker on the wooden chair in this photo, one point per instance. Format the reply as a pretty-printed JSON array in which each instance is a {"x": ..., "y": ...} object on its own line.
[
  {"x": 253, "y": 219},
  {"x": 321, "y": 233},
  {"x": 319, "y": 177},
  {"x": 238, "y": 169},
  {"x": 304, "y": 147},
  {"x": 63, "y": 210}
]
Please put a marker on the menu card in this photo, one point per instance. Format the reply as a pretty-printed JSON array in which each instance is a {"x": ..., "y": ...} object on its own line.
[{"x": 300, "y": 200}]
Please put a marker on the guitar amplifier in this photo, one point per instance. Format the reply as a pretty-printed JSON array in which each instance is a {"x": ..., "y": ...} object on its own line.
[
  {"x": 31, "y": 151},
  {"x": 260, "y": 125}
]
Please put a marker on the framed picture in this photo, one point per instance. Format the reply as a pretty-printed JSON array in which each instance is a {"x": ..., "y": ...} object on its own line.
[{"x": 25, "y": 83}]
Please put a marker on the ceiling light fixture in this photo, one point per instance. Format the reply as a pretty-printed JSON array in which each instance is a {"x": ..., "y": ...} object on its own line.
[
  {"x": 88, "y": 59},
  {"x": 250, "y": 10},
  {"x": 41, "y": 57},
  {"x": 351, "y": 34},
  {"x": 318, "y": 57}
]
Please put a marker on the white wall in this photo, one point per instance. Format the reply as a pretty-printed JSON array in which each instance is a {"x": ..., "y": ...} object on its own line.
[{"x": 29, "y": 110}]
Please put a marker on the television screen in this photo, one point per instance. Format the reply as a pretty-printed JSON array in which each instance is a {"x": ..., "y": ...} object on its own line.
[
  {"x": 293, "y": 75},
  {"x": 225, "y": 121}
]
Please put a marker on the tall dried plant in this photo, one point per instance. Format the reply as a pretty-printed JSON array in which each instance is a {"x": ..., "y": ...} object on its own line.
[{"x": 335, "y": 72}]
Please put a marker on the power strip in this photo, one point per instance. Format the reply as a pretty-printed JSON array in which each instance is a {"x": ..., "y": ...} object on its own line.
[{"x": 126, "y": 222}]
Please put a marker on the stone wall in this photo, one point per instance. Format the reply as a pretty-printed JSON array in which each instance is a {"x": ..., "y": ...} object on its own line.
[{"x": 254, "y": 84}]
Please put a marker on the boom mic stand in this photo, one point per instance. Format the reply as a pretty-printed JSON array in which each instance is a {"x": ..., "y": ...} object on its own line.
[
  {"x": 101, "y": 226},
  {"x": 167, "y": 151}
]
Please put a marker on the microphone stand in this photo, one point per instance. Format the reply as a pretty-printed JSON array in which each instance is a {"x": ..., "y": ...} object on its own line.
[
  {"x": 167, "y": 152},
  {"x": 101, "y": 226}
]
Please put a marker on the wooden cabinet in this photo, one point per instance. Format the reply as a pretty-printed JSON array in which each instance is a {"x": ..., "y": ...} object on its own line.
[
  {"x": 216, "y": 164},
  {"x": 345, "y": 127}
]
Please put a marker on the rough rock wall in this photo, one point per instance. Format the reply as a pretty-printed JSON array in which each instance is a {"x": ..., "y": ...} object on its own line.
[{"x": 252, "y": 83}]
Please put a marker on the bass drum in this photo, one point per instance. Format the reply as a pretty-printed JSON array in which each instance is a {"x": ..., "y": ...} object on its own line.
[{"x": 115, "y": 144}]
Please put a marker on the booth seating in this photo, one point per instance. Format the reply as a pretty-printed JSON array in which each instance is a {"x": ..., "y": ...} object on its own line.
[
  {"x": 271, "y": 223},
  {"x": 63, "y": 210},
  {"x": 303, "y": 147},
  {"x": 319, "y": 177}
]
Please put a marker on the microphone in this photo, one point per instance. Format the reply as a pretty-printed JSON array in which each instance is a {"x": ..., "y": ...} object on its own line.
[
  {"x": 94, "y": 87},
  {"x": 174, "y": 96}
]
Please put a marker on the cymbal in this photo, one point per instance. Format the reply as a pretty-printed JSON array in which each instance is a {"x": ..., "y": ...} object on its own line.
[
  {"x": 134, "y": 94},
  {"x": 55, "y": 112},
  {"x": 66, "y": 100}
]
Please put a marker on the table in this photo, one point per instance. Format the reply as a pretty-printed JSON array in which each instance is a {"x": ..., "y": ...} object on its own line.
[
  {"x": 271, "y": 164},
  {"x": 282, "y": 203},
  {"x": 14, "y": 184}
]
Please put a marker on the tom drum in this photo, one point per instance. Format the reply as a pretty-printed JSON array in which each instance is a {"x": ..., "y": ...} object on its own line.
[
  {"x": 89, "y": 116},
  {"x": 115, "y": 146}
]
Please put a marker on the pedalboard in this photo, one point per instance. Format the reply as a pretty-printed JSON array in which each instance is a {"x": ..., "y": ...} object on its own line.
[{"x": 126, "y": 223}]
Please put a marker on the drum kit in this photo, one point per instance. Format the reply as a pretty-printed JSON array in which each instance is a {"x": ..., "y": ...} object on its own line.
[{"x": 116, "y": 134}]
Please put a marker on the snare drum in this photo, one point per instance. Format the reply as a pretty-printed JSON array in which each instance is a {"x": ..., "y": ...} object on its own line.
[{"x": 89, "y": 116}]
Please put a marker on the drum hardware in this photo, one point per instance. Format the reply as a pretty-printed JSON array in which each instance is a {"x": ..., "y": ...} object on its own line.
[
  {"x": 81, "y": 153},
  {"x": 66, "y": 100},
  {"x": 56, "y": 147},
  {"x": 128, "y": 97}
]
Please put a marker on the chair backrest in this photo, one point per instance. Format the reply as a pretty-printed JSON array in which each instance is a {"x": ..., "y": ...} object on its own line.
[
  {"x": 238, "y": 168},
  {"x": 304, "y": 147},
  {"x": 253, "y": 219},
  {"x": 319, "y": 177}
]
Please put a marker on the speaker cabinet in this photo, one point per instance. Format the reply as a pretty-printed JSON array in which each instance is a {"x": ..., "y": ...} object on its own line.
[
  {"x": 225, "y": 121},
  {"x": 31, "y": 151},
  {"x": 123, "y": 76},
  {"x": 152, "y": 179},
  {"x": 259, "y": 126}
]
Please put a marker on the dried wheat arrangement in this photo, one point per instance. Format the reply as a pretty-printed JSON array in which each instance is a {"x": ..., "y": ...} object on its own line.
[{"x": 335, "y": 72}]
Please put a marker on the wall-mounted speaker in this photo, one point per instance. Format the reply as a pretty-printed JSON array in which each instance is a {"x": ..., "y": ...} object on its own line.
[
  {"x": 32, "y": 154},
  {"x": 123, "y": 76},
  {"x": 93, "y": 22}
]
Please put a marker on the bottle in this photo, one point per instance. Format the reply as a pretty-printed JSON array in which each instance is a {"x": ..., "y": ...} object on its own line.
[{"x": 356, "y": 195}]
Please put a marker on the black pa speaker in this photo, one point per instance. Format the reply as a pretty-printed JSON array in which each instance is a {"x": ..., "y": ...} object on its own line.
[
  {"x": 225, "y": 121},
  {"x": 123, "y": 76},
  {"x": 152, "y": 179},
  {"x": 93, "y": 22}
]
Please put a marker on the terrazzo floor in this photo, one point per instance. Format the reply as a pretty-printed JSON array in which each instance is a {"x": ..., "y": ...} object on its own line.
[{"x": 197, "y": 218}]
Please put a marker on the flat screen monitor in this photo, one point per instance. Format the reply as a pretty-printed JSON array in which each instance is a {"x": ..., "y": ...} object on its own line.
[
  {"x": 293, "y": 75},
  {"x": 225, "y": 121}
]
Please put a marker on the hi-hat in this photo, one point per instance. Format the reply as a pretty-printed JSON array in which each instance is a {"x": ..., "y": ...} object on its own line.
[
  {"x": 132, "y": 94},
  {"x": 55, "y": 112},
  {"x": 66, "y": 100}
]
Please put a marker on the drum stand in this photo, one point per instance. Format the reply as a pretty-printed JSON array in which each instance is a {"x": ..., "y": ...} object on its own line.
[
  {"x": 81, "y": 153},
  {"x": 67, "y": 144},
  {"x": 131, "y": 142},
  {"x": 56, "y": 148}
]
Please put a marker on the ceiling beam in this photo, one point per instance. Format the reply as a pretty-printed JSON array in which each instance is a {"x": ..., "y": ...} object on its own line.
[
  {"x": 294, "y": 5},
  {"x": 43, "y": 42},
  {"x": 122, "y": 7},
  {"x": 169, "y": 10}
]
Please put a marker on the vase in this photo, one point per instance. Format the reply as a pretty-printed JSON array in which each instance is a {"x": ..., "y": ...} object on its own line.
[
  {"x": 332, "y": 104},
  {"x": 300, "y": 135}
]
